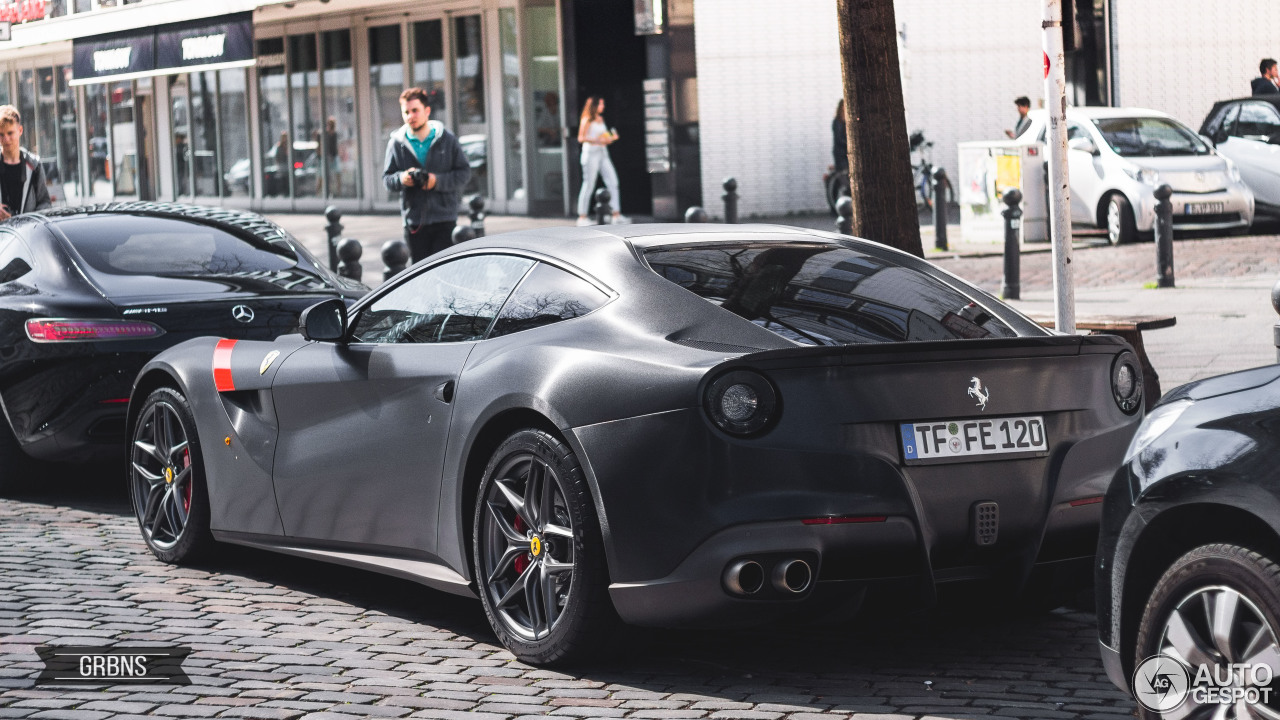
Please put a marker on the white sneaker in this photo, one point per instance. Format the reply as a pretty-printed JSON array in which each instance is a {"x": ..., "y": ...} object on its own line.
[
  {"x": 585, "y": 221},
  {"x": 620, "y": 220}
]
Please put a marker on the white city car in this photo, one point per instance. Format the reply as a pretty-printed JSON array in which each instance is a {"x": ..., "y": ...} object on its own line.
[
  {"x": 1247, "y": 131},
  {"x": 1119, "y": 156}
]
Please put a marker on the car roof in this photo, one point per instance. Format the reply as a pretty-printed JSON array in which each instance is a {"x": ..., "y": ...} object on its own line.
[
  {"x": 1273, "y": 99},
  {"x": 1093, "y": 112},
  {"x": 237, "y": 222}
]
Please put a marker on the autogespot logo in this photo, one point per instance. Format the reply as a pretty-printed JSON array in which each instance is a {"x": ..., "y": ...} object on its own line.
[{"x": 1162, "y": 684}]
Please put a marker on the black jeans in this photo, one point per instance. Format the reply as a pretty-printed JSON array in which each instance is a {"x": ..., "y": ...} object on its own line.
[{"x": 428, "y": 239}]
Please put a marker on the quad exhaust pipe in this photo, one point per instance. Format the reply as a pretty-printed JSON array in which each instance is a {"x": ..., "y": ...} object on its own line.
[{"x": 791, "y": 576}]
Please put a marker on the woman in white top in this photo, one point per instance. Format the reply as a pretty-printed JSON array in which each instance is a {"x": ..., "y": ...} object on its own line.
[{"x": 595, "y": 139}]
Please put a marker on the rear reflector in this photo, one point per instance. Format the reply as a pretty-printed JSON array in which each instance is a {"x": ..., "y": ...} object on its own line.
[
  {"x": 113, "y": 401},
  {"x": 222, "y": 379},
  {"x": 843, "y": 520},
  {"x": 1086, "y": 501},
  {"x": 48, "y": 330}
]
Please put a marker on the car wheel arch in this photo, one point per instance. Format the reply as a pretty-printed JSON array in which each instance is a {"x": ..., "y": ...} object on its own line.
[
  {"x": 1100, "y": 212},
  {"x": 147, "y": 383},
  {"x": 1170, "y": 535},
  {"x": 492, "y": 434}
]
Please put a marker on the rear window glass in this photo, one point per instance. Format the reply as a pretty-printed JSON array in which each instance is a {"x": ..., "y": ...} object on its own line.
[
  {"x": 826, "y": 295},
  {"x": 131, "y": 245},
  {"x": 548, "y": 295}
]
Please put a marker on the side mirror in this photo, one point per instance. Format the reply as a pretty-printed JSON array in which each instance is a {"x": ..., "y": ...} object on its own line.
[
  {"x": 1083, "y": 144},
  {"x": 16, "y": 268},
  {"x": 325, "y": 320}
]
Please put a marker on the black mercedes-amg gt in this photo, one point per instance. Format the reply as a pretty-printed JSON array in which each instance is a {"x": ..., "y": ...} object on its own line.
[
  {"x": 1188, "y": 574},
  {"x": 90, "y": 294},
  {"x": 669, "y": 424}
]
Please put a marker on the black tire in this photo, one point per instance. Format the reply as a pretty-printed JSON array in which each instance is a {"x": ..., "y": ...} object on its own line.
[
  {"x": 15, "y": 465},
  {"x": 1192, "y": 586},
  {"x": 167, "y": 486},
  {"x": 1121, "y": 227},
  {"x": 579, "y": 617}
]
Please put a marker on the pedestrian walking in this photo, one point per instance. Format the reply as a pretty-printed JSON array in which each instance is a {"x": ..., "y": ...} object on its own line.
[
  {"x": 425, "y": 163},
  {"x": 1268, "y": 82},
  {"x": 1024, "y": 106},
  {"x": 595, "y": 139},
  {"x": 22, "y": 188},
  {"x": 840, "y": 139}
]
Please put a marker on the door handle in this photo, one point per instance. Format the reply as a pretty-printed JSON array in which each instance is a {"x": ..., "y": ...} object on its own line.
[{"x": 444, "y": 392}]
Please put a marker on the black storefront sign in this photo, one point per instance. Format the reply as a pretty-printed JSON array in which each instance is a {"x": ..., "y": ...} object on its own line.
[{"x": 165, "y": 48}]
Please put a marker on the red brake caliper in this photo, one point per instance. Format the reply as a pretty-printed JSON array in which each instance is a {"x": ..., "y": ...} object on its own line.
[
  {"x": 186, "y": 492},
  {"x": 522, "y": 561}
]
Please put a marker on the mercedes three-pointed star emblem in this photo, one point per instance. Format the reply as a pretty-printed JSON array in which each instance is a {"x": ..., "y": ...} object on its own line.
[{"x": 243, "y": 313}]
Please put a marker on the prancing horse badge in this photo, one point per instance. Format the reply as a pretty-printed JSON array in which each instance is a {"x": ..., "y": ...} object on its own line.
[{"x": 266, "y": 361}]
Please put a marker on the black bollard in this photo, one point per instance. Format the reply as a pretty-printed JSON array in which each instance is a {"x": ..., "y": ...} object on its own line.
[
  {"x": 349, "y": 252},
  {"x": 476, "y": 204},
  {"x": 730, "y": 198},
  {"x": 395, "y": 254},
  {"x": 334, "y": 232},
  {"x": 603, "y": 212},
  {"x": 1164, "y": 237},
  {"x": 1275, "y": 330},
  {"x": 1011, "y": 288},
  {"x": 462, "y": 233},
  {"x": 844, "y": 215},
  {"x": 695, "y": 214},
  {"x": 940, "y": 208}
]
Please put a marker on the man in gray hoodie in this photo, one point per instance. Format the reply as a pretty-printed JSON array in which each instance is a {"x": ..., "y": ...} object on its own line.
[
  {"x": 426, "y": 164},
  {"x": 22, "y": 188}
]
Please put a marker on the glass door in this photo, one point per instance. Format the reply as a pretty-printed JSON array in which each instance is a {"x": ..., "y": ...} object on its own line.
[
  {"x": 180, "y": 121},
  {"x": 547, "y": 162},
  {"x": 471, "y": 123}
]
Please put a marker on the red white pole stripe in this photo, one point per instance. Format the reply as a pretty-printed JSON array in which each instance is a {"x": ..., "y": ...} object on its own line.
[{"x": 222, "y": 379}]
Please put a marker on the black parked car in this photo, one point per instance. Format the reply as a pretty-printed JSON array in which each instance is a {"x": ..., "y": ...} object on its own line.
[
  {"x": 677, "y": 424},
  {"x": 88, "y": 295},
  {"x": 1189, "y": 553}
]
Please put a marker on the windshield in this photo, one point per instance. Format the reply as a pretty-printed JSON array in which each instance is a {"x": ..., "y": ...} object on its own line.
[
  {"x": 826, "y": 294},
  {"x": 1149, "y": 137}
]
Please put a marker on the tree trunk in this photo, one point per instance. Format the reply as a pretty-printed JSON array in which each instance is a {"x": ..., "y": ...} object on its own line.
[{"x": 884, "y": 206}]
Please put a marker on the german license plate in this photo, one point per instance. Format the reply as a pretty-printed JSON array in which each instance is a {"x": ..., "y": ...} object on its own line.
[
  {"x": 1204, "y": 208},
  {"x": 976, "y": 438}
]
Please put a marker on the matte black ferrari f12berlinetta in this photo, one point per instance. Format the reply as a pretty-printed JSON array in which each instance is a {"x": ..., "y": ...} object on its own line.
[{"x": 668, "y": 425}]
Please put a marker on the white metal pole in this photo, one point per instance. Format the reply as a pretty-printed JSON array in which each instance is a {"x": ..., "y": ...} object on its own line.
[{"x": 1055, "y": 93}]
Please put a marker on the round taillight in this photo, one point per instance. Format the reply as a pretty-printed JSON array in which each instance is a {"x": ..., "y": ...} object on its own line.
[
  {"x": 741, "y": 402},
  {"x": 1126, "y": 382}
]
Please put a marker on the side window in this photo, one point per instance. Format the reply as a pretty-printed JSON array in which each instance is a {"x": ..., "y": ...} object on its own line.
[
  {"x": 1222, "y": 122},
  {"x": 1258, "y": 121},
  {"x": 548, "y": 295},
  {"x": 453, "y": 302},
  {"x": 15, "y": 266},
  {"x": 1075, "y": 131}
]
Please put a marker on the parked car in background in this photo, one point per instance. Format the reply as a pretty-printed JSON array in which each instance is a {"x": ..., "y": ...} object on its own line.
[
  {"x": 476, "y": 149},
  {"x": 1189, "y": 550},
  {"x": 682, "y": 424},
  {"x": 1119, "y": 156},
  {"x": 88, "y": 295},
  {"x": 1247, "y": 131}
]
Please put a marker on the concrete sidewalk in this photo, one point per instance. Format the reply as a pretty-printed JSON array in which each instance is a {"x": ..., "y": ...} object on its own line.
[{"x": 1223, "y": 323}]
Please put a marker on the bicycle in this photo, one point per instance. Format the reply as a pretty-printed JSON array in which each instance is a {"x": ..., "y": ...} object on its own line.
[{"x": 835, "y": 182}]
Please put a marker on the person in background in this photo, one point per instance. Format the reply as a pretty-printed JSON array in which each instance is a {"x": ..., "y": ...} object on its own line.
[
  {"x": 1268, "y": 82},
  {"x": 22, "y": 187},
  {"x": 595, "y": 139},
  {"x": 426, "y": 164},
  {"x": 840, "y": 139},
  {"x": 333, "y": 169},
  {"x": 1024, "y": 106}
]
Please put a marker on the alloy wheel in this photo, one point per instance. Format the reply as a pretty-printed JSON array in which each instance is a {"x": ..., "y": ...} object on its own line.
[
  {"x": 160, "y": 468},
  {"x": 1217, "y": 627},
  {"x": 527, "y": 552}
]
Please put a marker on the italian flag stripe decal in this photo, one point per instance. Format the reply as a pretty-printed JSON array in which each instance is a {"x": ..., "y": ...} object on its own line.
[{"x": 222, "y": 379}]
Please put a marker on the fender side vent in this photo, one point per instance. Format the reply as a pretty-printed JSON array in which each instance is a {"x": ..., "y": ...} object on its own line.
[
  {"x": 715, "y": 346},
  {"x": 986, "y": 523}
]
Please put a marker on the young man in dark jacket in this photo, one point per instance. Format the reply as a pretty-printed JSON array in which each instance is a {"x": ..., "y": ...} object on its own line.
[
  {"x": 22, "y": 188},
  {"x": 426, "y": 164}
]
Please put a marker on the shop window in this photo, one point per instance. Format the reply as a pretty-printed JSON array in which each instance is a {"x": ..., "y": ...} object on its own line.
[
  {"x": 273, "y": 116},
  {"x": 429, "y": 67},
  {"x": 204, "y": 133},
  {"x": 97, "y": 123},
  {"x": 308, "y": 122},
  {"x": 338, "y": 140},
  {"x": 233, "y": 105},
  {"x": 546, "y": 163},
  {"x": 511, "y": 104},
  {"x": 386, "y": 78},
  {"x": 124, "y": 139},
  {"x": 180, "y": 121},
  {"x": 68, "y": 136},
  {"x": 27, "y": 109},
  {"x": 45, "y": 121},
  {"x": 6, "y": 97},
  {"x": 468, "y": 84},
  {"x": 82, "y": 6}
]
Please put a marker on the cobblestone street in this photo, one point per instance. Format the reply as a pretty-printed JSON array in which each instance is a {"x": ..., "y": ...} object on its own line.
[{"x": 278, "y": 637}]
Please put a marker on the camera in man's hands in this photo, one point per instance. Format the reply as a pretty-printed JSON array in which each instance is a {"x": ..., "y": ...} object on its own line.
[{"x": 418, "y": 177}]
